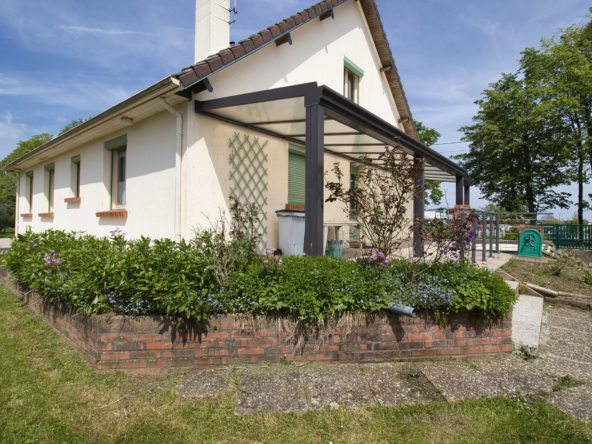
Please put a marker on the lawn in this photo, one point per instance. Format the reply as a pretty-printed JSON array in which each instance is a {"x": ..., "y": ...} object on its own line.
[
  {"x": 49, "y": 395},
  {"x": 8, "y": 235},
  {"x": 570, "y": 281}
]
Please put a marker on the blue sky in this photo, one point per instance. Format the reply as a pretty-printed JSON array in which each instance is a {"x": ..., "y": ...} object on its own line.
[{"x": 65, "y": 59}]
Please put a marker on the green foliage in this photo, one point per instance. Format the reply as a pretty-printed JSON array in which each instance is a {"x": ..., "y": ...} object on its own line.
[
  {"x": 561, "y": 262},
  {"x": 141, "y": 277},
  {"x": 515, "y": 156},
  {"x": 432, "y": 191},
  {"x": 73, "y": 124},
  {"x": 587, "y": 277},
  {"x": 8, "y": 181},
  {"x": 566, "y": 383}
]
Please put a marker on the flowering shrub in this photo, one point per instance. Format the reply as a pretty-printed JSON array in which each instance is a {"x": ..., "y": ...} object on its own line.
[{"x": 143, "y": 276}]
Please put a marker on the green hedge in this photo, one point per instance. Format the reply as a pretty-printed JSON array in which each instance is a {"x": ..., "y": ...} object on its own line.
[{"x": 141, "y": 277}]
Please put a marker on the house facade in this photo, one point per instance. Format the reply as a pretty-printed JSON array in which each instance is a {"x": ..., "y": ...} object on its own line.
[{"x": 240, "y": 121}]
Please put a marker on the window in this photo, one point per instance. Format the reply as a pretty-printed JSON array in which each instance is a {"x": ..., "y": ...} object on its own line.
[
  {"x": 75, "y": 176},
  {"x": 351, "y": 80},
  {"x": 29, "y": 189},
  {"x": 118, "y": 148},
  {"x": 50, "y": 176},
  {"x": 118, "y": 183},
  {"x": 296, "y": 175}
]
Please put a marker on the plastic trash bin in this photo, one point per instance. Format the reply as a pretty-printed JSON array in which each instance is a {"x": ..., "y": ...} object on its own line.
[{"x": 291, "y": 232}]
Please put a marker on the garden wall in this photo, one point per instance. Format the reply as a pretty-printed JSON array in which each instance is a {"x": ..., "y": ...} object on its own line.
[{"x": 158, "y": 344}]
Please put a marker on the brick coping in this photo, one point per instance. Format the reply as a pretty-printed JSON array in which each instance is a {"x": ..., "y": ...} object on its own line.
[{"x": 160, "y": 344}]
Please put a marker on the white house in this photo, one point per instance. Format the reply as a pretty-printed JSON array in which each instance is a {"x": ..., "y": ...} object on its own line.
[{"x": 261, "y": 119}]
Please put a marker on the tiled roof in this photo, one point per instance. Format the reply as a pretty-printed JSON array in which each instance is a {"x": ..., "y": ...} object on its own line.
[{"x": 192, "y": 75}]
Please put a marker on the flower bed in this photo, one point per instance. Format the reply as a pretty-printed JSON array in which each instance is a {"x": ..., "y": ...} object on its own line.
[{"x": 161, "y": 277}]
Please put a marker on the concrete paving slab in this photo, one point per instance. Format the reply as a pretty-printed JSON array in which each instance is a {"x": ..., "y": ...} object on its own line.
[
  {"x": 527, "y": 316},
  {"x": 264, "y": 390},
  {"x": 560, "y": 367},
  {"x": 571, "y": 351},
  {"x": 514, "y": 375},
  {"x": 400, "y": 383},
  {"x": 567, "y": 336},
  {"x": 459, "y": 380},
  {"x": 576, "y": 402},
  {"x": 203, "y": 383},
  {"x": 328, "y": 386}
]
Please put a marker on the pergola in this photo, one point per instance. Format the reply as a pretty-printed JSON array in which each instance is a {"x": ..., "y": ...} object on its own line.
[{"x": 325, "y": 121}]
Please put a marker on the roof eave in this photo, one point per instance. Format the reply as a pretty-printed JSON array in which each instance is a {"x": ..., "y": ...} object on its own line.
[{"x": 92, "y": 122}]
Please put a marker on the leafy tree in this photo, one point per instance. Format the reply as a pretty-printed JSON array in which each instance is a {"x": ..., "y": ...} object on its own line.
[
  {"x": 515, "y": 155},
  {"x": 8, "y": 181},
  {"x": 432, "y": 191},
  {"x": 71, "y": 125},
  {"x": 562, "y": 69}
]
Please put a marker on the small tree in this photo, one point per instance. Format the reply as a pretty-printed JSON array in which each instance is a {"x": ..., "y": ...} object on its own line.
[{"x": 381, "y": 200}]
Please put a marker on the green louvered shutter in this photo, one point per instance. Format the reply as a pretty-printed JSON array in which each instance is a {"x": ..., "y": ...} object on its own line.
[{"x": 296, "y": 181}]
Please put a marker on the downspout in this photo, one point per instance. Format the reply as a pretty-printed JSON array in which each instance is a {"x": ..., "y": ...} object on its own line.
[{"x": 178, "y": 166}]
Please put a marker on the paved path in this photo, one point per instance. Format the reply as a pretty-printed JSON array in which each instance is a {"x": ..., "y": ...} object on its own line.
[{"x": 566, "y": 338}]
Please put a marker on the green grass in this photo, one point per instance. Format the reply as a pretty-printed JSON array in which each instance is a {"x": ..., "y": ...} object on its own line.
[
  {"x": 49, "y": 395},
  {"x": 566, "y": 383},
  {"x": 9, "y": 233}
]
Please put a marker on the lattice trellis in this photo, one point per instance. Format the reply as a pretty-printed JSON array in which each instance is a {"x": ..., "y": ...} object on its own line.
[{"x": 248, "y": 175}]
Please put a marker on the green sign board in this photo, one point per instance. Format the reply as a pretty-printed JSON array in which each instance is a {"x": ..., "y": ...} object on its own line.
[{"x": 530, "y": 244}]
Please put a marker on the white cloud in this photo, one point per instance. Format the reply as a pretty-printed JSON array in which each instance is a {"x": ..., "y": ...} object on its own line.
[{"x": 82, "y": 29}]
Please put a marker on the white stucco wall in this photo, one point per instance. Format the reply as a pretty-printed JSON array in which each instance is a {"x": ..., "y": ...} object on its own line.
[
  {"x": 316, "y": 55},
  {"x": 150, "y": 184}
]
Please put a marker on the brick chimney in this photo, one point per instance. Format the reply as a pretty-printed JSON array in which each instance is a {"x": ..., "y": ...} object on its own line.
[{"x": 212, "y": 28}]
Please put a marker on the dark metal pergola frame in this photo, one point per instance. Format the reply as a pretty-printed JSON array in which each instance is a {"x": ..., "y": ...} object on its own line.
[{"x": 321, "y": 104}]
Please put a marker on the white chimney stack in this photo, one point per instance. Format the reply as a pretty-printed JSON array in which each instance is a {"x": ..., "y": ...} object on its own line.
[{"x": 212, "y": 27}]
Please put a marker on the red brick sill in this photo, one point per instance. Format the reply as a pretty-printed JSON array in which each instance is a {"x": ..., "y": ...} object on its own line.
[
  {"x": 72, "y": 200},
  {"x": 27, "y": 215},
  {"x": 295, "y": 207},
  {"x": 45, "y": 214},
  {"x": 112, "y": 213}
]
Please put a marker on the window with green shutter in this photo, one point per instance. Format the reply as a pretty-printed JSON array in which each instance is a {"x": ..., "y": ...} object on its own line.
[{"x": 296, "y": 175}]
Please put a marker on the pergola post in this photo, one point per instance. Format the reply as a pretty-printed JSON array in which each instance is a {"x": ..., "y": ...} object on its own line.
[
  {"x": 460, "y": 191},
  {"x": 314, "y": 187},
  {"x": 418, "y": 208},
  {"x": 467, "y": 194}
]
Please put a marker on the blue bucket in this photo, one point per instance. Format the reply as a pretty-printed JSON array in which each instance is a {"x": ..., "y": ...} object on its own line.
[{"x": 335, "y": 249}]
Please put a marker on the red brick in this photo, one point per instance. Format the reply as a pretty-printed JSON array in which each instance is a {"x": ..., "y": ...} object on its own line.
[
  {"x": 410, "y": 345},
  {"x": 449, "y": 351},
  {"x": 429, "y": 344},
  {"x": 145, "y": 354},
  {"x": 206, "y": 361},
  {"x": 147, "y": 337},
  {"x": 203, "y": 344},
  {"x": 261, "y": 342},
  {"x": 266, "y": 333},
  {"x": 460, "y": 334},
  {"x": 114, "y": 356},
  {"x": 363, "y": 347},
  {"x": 336, "y": 339},
  {"x": 217, "y": 352},
  {"x": 168, "y": 354},
  {"x": 221, "y": 335},
  {"x": 330, "y": 348},
  {"x": 251, "y": 351},
  {"x": 419, "y": 337},
  {"x": 491, "y": 349},
  {"x": 484, "y": 341},
  {"x": 507, "y": 333},
  {"x": 132, "y": 364},
  {"x": 473, "y": 351},
  {"x": 158, "y": 345},
  {"x": 113, "y": 338},
  {"x": 497, "y": 341},
  {"x": 423, "y": 352},
  {"x": 155, "y": 363},
  {"x": 319, "y": 357},
  {"x": 439, "y": 336},
  {"x": 460, "y": 342},
  {"x": 506, "y": 348},
  {"x": 128, "y": 346}
]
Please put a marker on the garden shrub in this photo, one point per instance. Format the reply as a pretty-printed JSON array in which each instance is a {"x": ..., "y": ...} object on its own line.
[{"x": 143, "y": 277}]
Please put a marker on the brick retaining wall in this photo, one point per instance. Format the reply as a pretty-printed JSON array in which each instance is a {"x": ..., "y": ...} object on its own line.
[{"x": 157, "y": 344}]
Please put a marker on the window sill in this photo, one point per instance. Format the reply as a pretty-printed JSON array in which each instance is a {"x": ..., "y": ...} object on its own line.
[
  {"x": 295, "y": 207},
  {"x": 27, "y": 215},
  {"x": 72, "y": 200},
  {"x": 113, "y": 213},
  {"x": 45, "y": 214}
]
